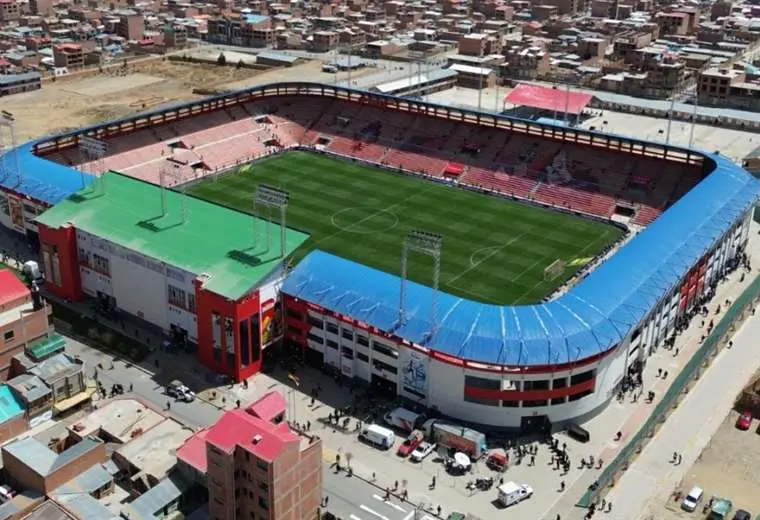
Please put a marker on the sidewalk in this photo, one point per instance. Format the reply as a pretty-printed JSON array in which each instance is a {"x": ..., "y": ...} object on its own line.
[{"x": 667, "y": 360}]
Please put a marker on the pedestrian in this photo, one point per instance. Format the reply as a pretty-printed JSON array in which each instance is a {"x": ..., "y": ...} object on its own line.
[
  {"x": 609, "y": 507},
  {"x": 168, "y": 405},
  {"x": 562, "y": 485},
  {"x": 675, "y": 457},
  {"x": 730, "y": 343},
  {"x": 395, "y": 485},
  {"x": 659, "y": 372},
  {"x": 131, "y": 386},
  {"x": 432, "y": 484},
  {"x": 327, "y": 500},
  {"x": 308, "y": 426},
  {"x": 559, "y": 517},
  {"x": 665, "y": 375},
  {"x": 604, "y": 503},
  {"x": 532, "y": 460},
  {"x": 677, "y": 351},
  {"x": 438, "y": 511}
]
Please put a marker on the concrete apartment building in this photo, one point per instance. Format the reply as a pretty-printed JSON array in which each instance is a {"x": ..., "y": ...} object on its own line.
[
  {"x": 69, "y": 55},
  {"x": 131, "y": 25},
  {"x": 10, "y": 10},
  {"x": 24, "y": 319},
  {"x": 255, "y": 466},
  {"x": 728, "y": 88}
]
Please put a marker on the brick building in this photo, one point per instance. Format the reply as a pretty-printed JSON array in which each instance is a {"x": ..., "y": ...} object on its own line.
[
  {"x": 24, "y": 318},
  {"x": 255, "y": 466},
  {"x": 29, "y": 464}
]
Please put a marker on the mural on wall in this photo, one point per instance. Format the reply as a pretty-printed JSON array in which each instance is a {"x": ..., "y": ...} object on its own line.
[
  {"x": 414, "y": 372},
  {"x": 271, "y": 322}
]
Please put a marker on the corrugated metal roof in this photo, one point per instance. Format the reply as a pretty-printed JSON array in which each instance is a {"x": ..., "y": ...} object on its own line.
[
  {"x": 7, "y": 510},
  {"x": 30, "y": 387},
  {"x": 7, "y": 79},
  {"x": 56, "y": 367},
  {"x": 590, "y": 319},
  {"x": 84, "y": 506},
  {"x": 41, "y": 459},
  {"x": 88, "y": 482},
  {"x": 157, "y": 498}
]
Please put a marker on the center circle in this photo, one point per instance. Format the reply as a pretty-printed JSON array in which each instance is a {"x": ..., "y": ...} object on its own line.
[{"x": 364, "y": 220}]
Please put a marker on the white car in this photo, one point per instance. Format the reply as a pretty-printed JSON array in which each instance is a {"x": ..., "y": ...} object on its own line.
[{"x": 422, "y": 451}]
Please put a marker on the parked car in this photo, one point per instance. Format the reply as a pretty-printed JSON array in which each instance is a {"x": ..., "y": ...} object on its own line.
[
  {"x": 744, "y": 421},
  {"x": 691, "y": 501},
  {"x": 410, "y": 443},
  {"x": 179, "y": 391},
  {"x": 422, "y": 451},
  {"x": 741, "y": 514},
  {"x": 6, "y": 494}
]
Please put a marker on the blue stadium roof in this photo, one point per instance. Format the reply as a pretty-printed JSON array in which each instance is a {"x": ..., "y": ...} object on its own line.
[
  {"x": 589, "y": 320},
  {"x": 41, "y": 179}
]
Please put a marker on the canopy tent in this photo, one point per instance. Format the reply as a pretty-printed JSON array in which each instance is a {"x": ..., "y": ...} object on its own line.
[{"x": 547, "y": 98}]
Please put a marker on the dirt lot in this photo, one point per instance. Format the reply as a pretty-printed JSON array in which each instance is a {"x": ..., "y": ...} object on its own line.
[
  {"x": 73, "y": 103},
  {"x": 729, "y": 467}
]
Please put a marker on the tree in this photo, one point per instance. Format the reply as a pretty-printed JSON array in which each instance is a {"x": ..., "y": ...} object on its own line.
[{"x": 222, "y": 59}]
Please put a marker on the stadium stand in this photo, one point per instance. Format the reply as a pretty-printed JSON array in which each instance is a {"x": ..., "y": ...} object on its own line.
[{"x": 539, "y": 169}]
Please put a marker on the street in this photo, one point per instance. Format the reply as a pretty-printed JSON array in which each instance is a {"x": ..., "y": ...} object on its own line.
[
  {"x": 197, "y": 414},
  {"x": 355, "y": 499}
]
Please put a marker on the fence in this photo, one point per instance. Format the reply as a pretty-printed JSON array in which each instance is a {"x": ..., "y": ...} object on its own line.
[{"x": 691, "y": 372}]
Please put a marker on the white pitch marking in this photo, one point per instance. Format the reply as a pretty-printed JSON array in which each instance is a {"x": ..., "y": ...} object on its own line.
[
  {"x": 394, "y": 506},
  {"x": 370, "y": 511}
]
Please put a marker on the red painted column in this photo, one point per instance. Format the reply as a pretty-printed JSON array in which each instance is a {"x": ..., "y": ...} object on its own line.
[{"x": 61, "y": 262}]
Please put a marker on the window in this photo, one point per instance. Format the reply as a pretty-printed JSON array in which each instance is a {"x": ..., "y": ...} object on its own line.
[
  {"x": 534, "y": 404},
  {"x": 176, "y": 296},
  {"x": 191, "y": 302},
  {"x": 362, "y": 357},
  {"x": 264, "y": 487},
  {"x": 542, "y": 384},
  {"x": 294, "y": 314},
  {"x": 510, "y": 404},
  {"x": 332, "y": 344},
  {"x": 315, "y": 322},
  {"x": 315, "y": 338},
  {"x": 332, "y": 328},
  {"x": 262, "y": 465},
  {"x": 101, "y": 264},
  {"x": 560, "y": 382},
  {"x": 581, "y": 378},
  {"x": 264, "y": 503},
  {"x": 479, "y": 400},
  {"x": 482, "y": 382},
  {"x": 348, "y": 334},
  {"x": 382, "y": 349},
  {"x": 383, "y": 367},
  {"x": 8, "y": 336},
  {"x": 347, "y": 353},
  {"x": 362, "y": 340}
]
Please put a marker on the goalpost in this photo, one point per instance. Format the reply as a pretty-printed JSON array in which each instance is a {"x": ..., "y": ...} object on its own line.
[{"x": 554, "y": 270}]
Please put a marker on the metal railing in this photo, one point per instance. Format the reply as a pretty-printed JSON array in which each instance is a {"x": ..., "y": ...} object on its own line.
[{"x": 692, "y": 371}]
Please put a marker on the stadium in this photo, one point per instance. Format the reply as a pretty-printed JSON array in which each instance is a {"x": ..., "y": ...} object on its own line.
[{"x": 500, "y": 271}]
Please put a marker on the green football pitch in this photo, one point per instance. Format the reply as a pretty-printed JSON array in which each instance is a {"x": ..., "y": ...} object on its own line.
[{"x": 494, "y": 250}]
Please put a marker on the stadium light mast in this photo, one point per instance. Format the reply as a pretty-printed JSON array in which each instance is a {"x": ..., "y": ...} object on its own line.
[
  {"x": 670, "y": 116},
  {"x": 93, "y": 150},
  {"x": 428, "y": 244},
  {"x": 272, "y": 198},
  {"x": 480, "y": 73},
  {"x": 693, "y": 118},
  {"x": 8, "y": 121}
]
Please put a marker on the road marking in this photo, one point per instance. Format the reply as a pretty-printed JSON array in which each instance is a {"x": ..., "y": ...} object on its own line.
[
  {"x": 387, "y": 502},
  {"x": 409, "y": 516},
  {"x": 354, "y": 517},
  {"x": 370, "y": 511}
]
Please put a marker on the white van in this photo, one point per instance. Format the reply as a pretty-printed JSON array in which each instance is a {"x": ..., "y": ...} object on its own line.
[
  {"x": 692, "y": 500},
  {"x": 512, "y": 493},
  {"x": 403, "y": 419},
  {"x": 378, "y": 436}
]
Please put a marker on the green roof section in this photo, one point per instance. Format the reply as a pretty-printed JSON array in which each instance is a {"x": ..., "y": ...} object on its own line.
[
  {"x": 46, "y": 347},
  {"x": 227, "y": 245}
]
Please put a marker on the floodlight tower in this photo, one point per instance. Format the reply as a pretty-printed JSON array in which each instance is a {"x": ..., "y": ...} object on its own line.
[
  {"x": 8, "y": 146},
  {"x": 93, "y": 151},
  {"x": 169, "y": 170},
  {"x": 429, "y": 244},
  {"x": 270, "y": 198}
]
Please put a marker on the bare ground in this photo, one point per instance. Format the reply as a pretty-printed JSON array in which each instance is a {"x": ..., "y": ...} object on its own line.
[
  {"x": 728, "y": 467},
  {"x": 60, "y": 106}
]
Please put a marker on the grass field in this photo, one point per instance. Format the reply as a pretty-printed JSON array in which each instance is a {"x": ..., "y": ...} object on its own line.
[{"x": 494, "y": 250}]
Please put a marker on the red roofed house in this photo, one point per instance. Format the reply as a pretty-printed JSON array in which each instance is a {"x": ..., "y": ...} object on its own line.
[
  {"x": 255, "y": 466},
  {"x": 21, "y": 320}
]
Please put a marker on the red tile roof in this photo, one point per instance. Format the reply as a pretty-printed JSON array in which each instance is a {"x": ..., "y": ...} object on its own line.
[
  {"x": 11, "y": 288},
  {"x": 239, "y": 428},
  {"x": 193, "y": 452},
  {"x": 269, "y": 406}
]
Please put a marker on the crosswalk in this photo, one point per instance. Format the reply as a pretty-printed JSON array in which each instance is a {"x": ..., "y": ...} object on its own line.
[{"x": 388, "y": 508}]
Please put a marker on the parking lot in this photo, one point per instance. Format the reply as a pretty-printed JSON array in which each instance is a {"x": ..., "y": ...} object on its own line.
[{"x": 726, "y": 468}]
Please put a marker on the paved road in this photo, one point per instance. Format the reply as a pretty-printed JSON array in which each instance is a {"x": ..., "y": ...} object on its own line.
[
  {"x": 354, "y": 499},
  {"x": 197, "y": 414},
  {"x": 689, "y": 428}
]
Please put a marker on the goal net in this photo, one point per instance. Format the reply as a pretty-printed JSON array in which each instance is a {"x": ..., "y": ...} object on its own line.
[{"x": 554, "y": 270}]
